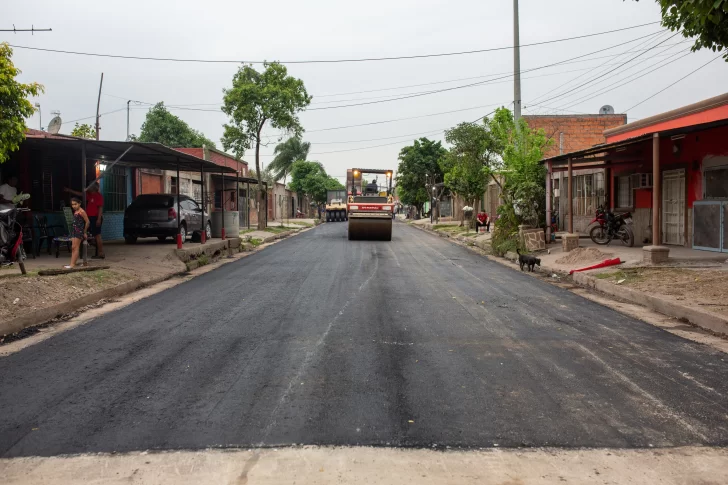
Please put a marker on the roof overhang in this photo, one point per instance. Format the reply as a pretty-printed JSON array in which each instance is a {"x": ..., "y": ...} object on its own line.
[
  {"x": 623, "y": 151},
  {"x": 141, "y": 155}
]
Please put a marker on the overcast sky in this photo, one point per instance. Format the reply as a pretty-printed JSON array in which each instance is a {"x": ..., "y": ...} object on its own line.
[{"x": 288, "y": 30}]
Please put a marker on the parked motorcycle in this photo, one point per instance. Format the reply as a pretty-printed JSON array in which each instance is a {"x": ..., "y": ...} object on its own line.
[
  {"x": 11, "y": 239},
  {"x": 612, "y": 226}
]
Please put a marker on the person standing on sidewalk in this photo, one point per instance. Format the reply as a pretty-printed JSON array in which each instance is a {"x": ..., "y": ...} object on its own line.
[{"x": 95, "y": 213}]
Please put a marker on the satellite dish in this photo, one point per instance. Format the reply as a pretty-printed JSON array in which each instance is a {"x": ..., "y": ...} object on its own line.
[
  {"x": 606, "y": 110},
  {"x": 55, "y": 125}
]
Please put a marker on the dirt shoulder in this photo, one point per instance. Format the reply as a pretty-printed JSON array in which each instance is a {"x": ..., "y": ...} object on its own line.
[
  {"x": 20, "y": 295},
  {"x": 692, "y": 287}
]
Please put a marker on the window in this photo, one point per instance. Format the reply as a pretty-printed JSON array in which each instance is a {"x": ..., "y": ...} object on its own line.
[
  {"x": 624, "y": 191},
  {"x": 716, "y": 183},
  {"x": 173, "y": 185},
  {"x": 588, "y": 193},
  {"x": 114, "y": 189}
]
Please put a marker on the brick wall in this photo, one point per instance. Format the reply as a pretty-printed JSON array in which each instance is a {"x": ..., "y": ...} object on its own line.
[{"x": 580, "y": 131}]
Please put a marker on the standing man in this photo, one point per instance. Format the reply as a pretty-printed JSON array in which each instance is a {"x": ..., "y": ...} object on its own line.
[
  {"x": 95, "y": 213},
  {"x": 8, "y": 190}
]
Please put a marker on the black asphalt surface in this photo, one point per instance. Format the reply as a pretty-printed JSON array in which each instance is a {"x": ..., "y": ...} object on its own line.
[{"x": 318, "y": 340}]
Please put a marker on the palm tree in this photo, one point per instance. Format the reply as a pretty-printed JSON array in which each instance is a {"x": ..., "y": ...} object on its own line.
[{"x": 286, "y": 153}]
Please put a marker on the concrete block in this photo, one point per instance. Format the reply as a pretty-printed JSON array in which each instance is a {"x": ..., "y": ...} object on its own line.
[
  {"x": 534, "y": 239},
  {"x": 655, "y": 254},
  {"x": 569, "y": 242}
]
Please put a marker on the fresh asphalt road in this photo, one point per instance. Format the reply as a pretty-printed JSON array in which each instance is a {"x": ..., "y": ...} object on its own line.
[{"x": 318, "y": 340}]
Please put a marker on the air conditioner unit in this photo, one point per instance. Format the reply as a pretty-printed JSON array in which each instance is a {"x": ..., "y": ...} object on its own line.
[{"x": 641, "y": 180}]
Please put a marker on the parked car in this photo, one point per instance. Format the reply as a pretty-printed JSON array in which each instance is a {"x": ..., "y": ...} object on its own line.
[{"x": 155, "y": 215}]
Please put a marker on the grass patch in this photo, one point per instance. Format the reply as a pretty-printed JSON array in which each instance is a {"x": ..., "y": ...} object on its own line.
[
  {"x": 302, "y": 223},
  {"x": 203, "y": 259},
  {"x": 276, "y": 230},
  {"x": 628, "y": 275},
  {"x": 101, "y": 275},
  {"x": 256, "y": 242},
  {"x": 245, "y": 231}
]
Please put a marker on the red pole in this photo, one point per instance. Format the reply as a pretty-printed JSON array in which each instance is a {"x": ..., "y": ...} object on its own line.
[{"x": 203, "y": 235}]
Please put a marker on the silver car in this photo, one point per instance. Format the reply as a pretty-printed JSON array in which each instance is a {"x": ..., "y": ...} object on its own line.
[{"x": 155, "y": 215}]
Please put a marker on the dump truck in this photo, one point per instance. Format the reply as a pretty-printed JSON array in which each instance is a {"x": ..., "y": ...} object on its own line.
[
  {"x": 335, "y": 205},
  {"x": 370, "y": 205}
]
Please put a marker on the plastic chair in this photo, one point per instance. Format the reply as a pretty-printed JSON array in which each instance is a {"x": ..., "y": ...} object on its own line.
[{"x": 45, "y": 233}]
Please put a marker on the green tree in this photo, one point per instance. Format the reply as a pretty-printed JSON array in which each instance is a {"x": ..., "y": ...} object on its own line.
[
  {"x": 14, "y": 104},
  {"x": 417, "y": 162},
  {"x": 286, "y": 153},
  {"x": 161, "y": 126},
  {"x": 704, "y": 20},
  {"x": 84, "y": 131},
  {"x": 471, "y": 160},
  {"x": 257, "y": 98},
  {"x": 521, "y": 176},
  {"x": 311, "y": 179}
]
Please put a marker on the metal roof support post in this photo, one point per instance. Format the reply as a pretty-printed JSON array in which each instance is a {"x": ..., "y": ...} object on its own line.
[
  {"x": 548, "y": 202},
  {"x": 83, "y": 174},
  {"x": 656, "y": 189},
  {"x": 179, "y": 210},
  {"x": 571, "y": 199},
  {"x": 247, "y": 205},
  {"x": 83, "y": 197},
  {"x": 222, "y": 204},
  {"x": 203, "y": 235}
]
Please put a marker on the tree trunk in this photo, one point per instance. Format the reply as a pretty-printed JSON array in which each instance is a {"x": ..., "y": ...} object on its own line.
[{"x": 262, "y": 194}]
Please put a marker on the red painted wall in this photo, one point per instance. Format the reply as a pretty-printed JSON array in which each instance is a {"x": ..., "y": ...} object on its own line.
[{"x": 690, "y": 154}]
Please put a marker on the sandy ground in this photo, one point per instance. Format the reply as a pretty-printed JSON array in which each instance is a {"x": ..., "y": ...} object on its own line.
[
  {"x": 698, "y": 288},
  {"x": 314, "y": 465}
]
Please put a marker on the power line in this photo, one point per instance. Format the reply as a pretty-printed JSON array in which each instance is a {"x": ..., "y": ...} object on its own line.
[
  {"x": 595, "y": 68},
  {"x": 94, "y": 116},
  {"x": 608, "y": 72},
  {"x": 672, "y": 55},
  {"x": 474, "y": 84},
  {"x": 608, "y": 88},
  {"x": 671, "y": 85},
  {"x": 330, "y": 61},
  {"x": 32, "y": 30}
]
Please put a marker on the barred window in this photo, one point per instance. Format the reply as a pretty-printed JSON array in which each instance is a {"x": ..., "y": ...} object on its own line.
[
  {"x": 588, "y": 193},
  {"x": 114, "y": 189},
  {"x": 624, "y": 191}
]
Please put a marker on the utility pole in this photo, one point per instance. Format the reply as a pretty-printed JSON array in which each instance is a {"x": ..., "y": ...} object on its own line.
[
  {"x": 516, "y": 65},
  {"x": 127, "y": 120},
  {"x": 98, "y": 105}
]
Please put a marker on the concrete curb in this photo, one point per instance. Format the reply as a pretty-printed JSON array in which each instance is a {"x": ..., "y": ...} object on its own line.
[
  {"x": 701, "y": 318},
  {"x": 46, "y": 314}
]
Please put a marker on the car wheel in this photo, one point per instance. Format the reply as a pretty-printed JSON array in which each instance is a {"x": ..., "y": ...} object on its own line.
[
  {"x": 208, "y": 231},
  {"x": 130, "y": 239},
  {"x": 183, "y": 233},
  {"x": 162, "y": 238}
]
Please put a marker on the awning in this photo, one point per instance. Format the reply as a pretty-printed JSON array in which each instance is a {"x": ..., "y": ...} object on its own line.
[
  {"x": 141, "y": 155},
  {"x": 622, "y": 151}
]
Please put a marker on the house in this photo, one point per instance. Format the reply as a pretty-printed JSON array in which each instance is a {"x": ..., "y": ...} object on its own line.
[
  {"x": 569, "y": 133},
  {"x": 671, "y": 171},
  {"x": 46, "y": 164}
]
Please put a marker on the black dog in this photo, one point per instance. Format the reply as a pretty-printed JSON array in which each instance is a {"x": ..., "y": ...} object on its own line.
[{"x": 528, "y": 260}]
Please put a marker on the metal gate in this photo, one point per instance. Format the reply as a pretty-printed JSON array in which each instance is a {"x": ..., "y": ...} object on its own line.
[
  {"x": 673, "y": 207},
  {"x": 710, "y": 225}
]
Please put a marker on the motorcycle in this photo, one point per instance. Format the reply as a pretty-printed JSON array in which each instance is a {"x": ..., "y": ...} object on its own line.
[
  {"x": 11, "y": 239},
  {"x": 612, "y": 226}
]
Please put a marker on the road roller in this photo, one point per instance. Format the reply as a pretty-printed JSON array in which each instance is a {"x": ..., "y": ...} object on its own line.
[
  {"x": 370, "y": 204},
  {"x": 335, "y": 205}
]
